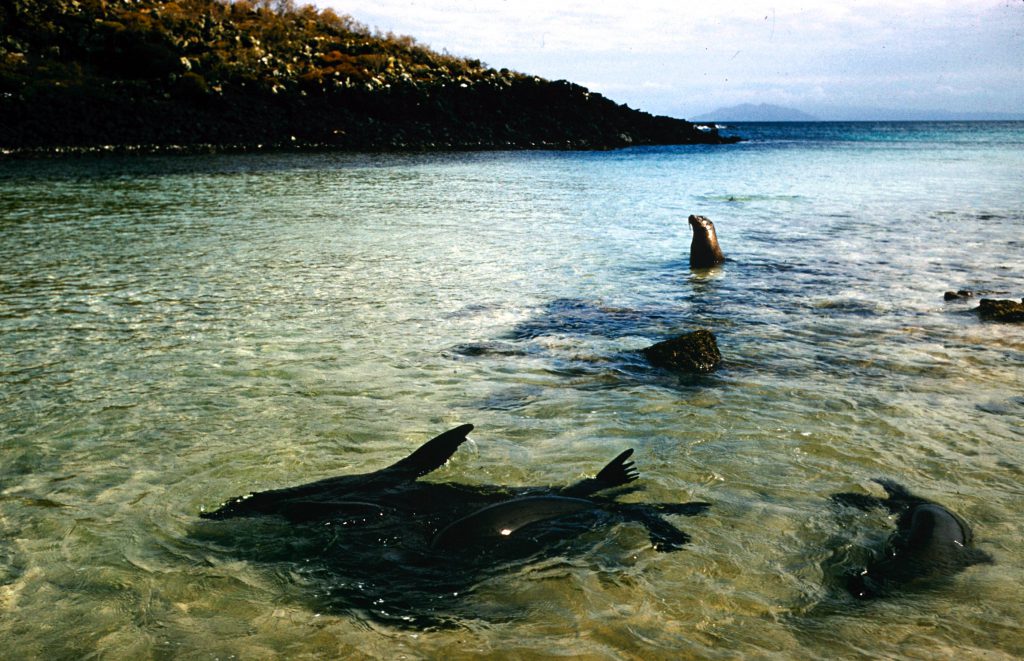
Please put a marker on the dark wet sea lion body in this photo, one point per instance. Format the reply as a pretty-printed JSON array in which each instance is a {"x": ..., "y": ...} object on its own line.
[
  {"x": 930, "y": 542},
  {"x": 454, "y": 515},
  {"x": 390, "y": 547},
  {"x": 505, "y": 518},
  {"x": 704, "y": 249}
]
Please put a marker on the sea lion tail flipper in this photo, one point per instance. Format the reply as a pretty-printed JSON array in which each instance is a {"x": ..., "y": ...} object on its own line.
[
  {"x": 430, "y": 456},
  {"x": 236, "y": 506},
  {"x": 275, "y": 501},
  {"x": 859, "y": 500},
  {"x": 619, "y": 471}
]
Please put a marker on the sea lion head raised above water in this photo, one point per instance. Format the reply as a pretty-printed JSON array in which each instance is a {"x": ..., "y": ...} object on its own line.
[{"x": 704, "y": 249}]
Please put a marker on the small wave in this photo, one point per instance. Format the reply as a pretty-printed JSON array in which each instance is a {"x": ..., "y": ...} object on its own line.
[
  {"x": 477, "y": 349},
  {"x": 851, "y": 306},
  {"x": 1012, "y": 406}
]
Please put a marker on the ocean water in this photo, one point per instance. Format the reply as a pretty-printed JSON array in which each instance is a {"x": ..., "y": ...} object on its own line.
[{"x": 177, "y": 330}]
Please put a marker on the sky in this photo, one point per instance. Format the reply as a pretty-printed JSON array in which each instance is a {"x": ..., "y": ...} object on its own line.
[{"x": 684, "y": 58}]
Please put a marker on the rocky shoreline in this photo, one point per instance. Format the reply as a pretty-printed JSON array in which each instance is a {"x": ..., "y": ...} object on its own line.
[
  {"x": 169, "y": 75},
  {"x": 530, "y": 114}
]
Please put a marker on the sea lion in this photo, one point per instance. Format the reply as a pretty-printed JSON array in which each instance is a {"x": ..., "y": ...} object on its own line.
[
  {"x": 390, "y": 546},
  {"x": 704, "y": 249},
  {"x": 456, "y": 515},
  {"x": 930, "y": 542}
]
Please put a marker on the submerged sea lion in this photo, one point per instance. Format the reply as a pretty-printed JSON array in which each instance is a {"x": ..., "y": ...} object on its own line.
[
  {"x": 455, "y": 514},
  {"x": 704, "y": 249},
  {"x": 403, "y": 550},
  {"x": 930, "y": 542}
]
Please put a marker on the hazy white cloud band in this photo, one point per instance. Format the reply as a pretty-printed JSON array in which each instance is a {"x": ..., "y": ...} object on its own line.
[{"x": 687, "y": 58}]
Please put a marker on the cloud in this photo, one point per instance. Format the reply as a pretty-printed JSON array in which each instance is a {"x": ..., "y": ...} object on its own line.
[
  {"x": 640, "y": 26},
  {"x": 666, "y": 56}
]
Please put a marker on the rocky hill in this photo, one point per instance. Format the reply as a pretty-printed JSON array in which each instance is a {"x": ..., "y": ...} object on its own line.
[{"x": 215, "y": 74}]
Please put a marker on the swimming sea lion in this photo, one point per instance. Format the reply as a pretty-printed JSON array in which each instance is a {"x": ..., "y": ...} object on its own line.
[
  {"x": 450, "y": 515},
  {"x": 407, "y": 551},
  {"x": 930, "y": 541},
  {"x": 704, "y": 249}
]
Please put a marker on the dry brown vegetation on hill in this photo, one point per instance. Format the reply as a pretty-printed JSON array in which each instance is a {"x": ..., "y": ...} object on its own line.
[{"x": 85, "y": 73}]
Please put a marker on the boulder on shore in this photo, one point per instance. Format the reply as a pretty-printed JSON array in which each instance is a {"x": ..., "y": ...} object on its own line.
[
  {"x": 994, "y": 309},
  {"x": 692, "y": 352}
]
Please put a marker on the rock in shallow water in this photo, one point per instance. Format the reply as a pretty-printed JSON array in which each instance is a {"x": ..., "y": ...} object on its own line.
[
  {"x": 692, "y": 352},
  {"x": 994, "y": 309}
]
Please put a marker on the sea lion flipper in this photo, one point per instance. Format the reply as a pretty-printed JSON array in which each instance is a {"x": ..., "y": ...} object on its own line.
[
  {"x": 894, "y": 489},
  {"x": 429, "y": 457},
  {"x": 898, "y": 498},
  {"x": 902, "y": 502},
  {"x": 977, "y": 557},
  {"x": 617, "y": 472},
  {"x": 664, "y": 536},
  {"x": 230, "y": 508},
  {"x": 859, "y": 500}
]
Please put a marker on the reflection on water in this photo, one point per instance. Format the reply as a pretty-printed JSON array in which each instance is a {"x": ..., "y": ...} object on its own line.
[{"x": 180, "y": 330}]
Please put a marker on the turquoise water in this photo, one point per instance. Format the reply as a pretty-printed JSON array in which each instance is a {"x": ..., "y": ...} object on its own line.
[{"x": 177, "y": 330}]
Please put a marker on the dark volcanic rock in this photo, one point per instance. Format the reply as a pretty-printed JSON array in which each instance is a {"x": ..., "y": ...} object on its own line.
[
  {"x": 524, "y": 114},
  {"x": 692, "y": 352},
  {"x": 993, "y": 309}
]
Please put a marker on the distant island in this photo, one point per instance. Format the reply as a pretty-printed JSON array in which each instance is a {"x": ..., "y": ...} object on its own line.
[
  {"x": 210, "y": 74},
  {"x": 748, "y": 112},
  {"x": 764, "y": 112}
]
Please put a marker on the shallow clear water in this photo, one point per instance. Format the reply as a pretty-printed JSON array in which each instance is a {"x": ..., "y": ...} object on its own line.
[{"x": 178, "y": 330}]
